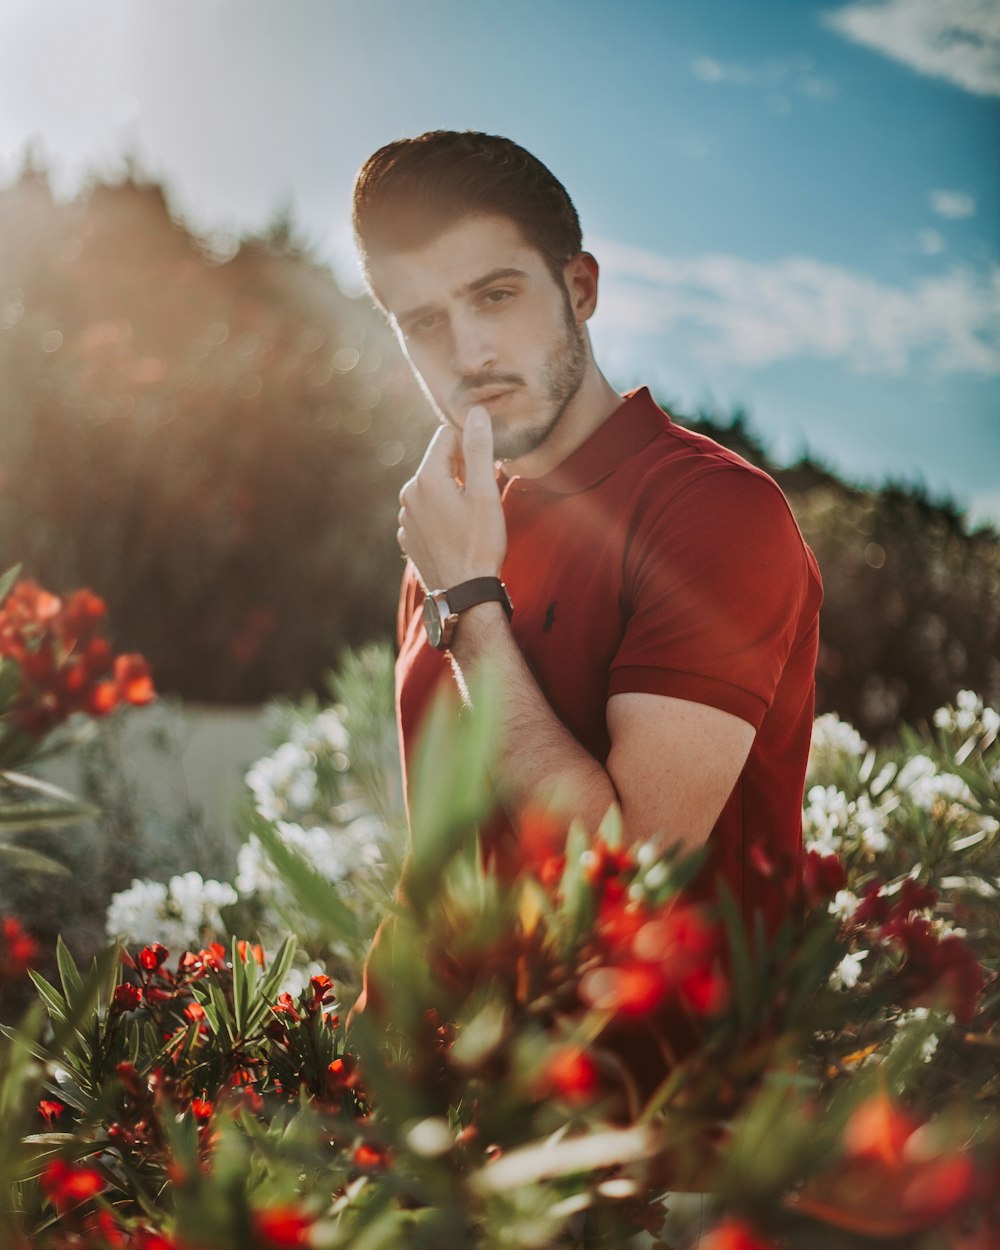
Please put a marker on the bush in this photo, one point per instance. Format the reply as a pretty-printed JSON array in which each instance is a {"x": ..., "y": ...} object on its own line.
[{"x": 835, "y": 1085}]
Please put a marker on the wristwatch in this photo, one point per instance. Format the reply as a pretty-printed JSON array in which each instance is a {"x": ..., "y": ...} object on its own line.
[{"x": 441, "y": 607}]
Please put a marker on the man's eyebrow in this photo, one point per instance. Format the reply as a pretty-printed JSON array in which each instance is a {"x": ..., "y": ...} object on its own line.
[{"x": 477, "y": 284}]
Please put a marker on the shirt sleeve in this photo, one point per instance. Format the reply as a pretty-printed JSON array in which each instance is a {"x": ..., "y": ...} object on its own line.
[{"x": 715, "y": 585}]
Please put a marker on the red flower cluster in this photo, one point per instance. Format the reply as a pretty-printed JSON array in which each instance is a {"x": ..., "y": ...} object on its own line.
[
  {"x": 66, "y": 1185},
  {"x": 892, "y": 1180},
  {"x": 65, "y": 663},
  {"x": 17, "y": 949},
  {"x": 650, "y": 956},
  {"x": 936, "y": 970}
]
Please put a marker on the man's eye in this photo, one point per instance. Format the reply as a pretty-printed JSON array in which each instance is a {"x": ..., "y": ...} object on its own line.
[
  {"x": 496, "y": 296},
  {"x": 423, "y": 325}
]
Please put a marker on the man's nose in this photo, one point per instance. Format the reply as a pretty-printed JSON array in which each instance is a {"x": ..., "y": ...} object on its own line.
[{"x": 473, "y": 351}]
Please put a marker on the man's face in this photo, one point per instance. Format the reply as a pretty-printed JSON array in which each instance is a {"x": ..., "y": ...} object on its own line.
[{"x": 484, "y": 322}]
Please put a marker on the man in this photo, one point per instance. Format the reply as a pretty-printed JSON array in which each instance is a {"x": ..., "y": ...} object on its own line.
[{"x": 660, "y": 648}]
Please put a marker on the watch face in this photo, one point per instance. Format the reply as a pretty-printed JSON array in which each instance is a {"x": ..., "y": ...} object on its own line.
[{"x": 432, "y": 621}]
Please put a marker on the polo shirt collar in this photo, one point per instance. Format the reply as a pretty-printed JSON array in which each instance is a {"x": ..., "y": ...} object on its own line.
[{"x": 633, "y": 424}]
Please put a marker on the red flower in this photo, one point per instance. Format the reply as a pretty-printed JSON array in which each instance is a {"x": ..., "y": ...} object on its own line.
[
  {"x": 151, "y": 957},
  {"x": 202, "y": 1108},
  {"x": 822, "y": 877},
  {"x": 878, "y": 1130},
  {"x": 133, "y": 680},
  {"x": 570, "y": 1074},
  {"x": 604, "y": 867},
  {"x": 734, "y": 1234},
  {"x": 126, "y": 998},
  {"x": 246, "y": 949},
  {"x": 632, "y": 989},
  {"x": 370, "y": 1156},
  {"x": 17, "y": 949},
  {"x": 67, "y": 1185},
  {"x": 285, "y": 1006},
  {"x": 82, "y": 616},
  {"x": 50, "y": 1110},
  {"x": 321, "y": 987},
  {"x": 194, "y": 1011},
  {"x": 282, "y": 1226},
  {"x": 213, "y": 957}
]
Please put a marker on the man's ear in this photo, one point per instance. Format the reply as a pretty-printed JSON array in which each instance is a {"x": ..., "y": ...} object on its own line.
[{"x": 581, "y": 274}]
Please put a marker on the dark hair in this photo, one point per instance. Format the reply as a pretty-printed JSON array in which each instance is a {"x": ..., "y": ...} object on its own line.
[{"x": 411, "y": 190}]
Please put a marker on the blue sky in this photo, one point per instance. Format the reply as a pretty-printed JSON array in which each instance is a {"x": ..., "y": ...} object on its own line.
[{"x": 796, "y": 205}]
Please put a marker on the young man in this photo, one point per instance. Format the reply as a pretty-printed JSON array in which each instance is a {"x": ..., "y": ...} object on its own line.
[{"x": 646, "y": 594}]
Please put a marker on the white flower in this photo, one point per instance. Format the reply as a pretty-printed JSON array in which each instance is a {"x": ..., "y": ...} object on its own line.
[
  {"x": 284, "y": 782},
  {"x": 834, "y": 740},
  {"x": 335, "y": 852},
  {"x": 324, "y": 732},
  {"x": 871, "y": 822},
  {"x": 825, "y": 818},
  {"x": 972, "y": 885},
  {"x": 882, "y": 779},
  {"x": 969, "y": 716},
  {"x": 930, "y": 1043},
  {"x": 130, "y": 910},
  {"x": 829, "y": 817},
  {"x": 177, "y": 914},
  {"x": 917, "y": 768},
  {"x": 845, "y": 975},
  {"x": 843, "y": 904}
]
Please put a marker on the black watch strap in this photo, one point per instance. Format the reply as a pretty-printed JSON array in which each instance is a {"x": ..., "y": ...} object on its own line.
[{"x": 479, "y": 590}]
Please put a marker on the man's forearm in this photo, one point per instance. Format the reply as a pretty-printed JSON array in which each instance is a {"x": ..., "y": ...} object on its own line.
[{"x": 541, "y": 763}]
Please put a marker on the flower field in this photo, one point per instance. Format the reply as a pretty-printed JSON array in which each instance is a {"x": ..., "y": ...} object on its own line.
[{"x": 560, "y": 1060}]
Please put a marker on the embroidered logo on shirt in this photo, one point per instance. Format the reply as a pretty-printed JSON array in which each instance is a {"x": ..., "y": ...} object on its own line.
[{"x": 550, "y": 616}]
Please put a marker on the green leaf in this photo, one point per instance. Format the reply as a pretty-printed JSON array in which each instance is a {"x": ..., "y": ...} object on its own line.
[
  {"x": 744, "y": 975},
  {"x": 68, "y": 973},
  {"x": 450, "y": 790},
  {"x": 53, "y": 1000},
  {"x": 7, "y": 581},
  {"x": 30, "y": 803},
  {"x": 20, "y": 858}
]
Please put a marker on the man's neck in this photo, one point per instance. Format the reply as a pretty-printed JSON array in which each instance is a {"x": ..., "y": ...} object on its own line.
[{"x": 589, "y": 408}]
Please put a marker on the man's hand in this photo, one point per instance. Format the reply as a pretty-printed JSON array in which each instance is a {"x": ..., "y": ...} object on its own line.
[{"x": 451, "y": 524}]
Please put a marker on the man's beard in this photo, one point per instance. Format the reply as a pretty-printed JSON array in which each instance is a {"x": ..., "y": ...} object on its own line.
[{"x": 562, "y": 377}]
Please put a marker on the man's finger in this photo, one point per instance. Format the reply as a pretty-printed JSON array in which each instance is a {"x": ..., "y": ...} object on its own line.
[
  {"x": 477, "y": 447},
  {"x": 441, "y": 451}
]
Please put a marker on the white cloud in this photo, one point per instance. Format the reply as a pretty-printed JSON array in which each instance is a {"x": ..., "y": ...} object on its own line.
[
  {"x": 958, "y": 40},
  {"x": 954, "y": 204},
  {"x": 793, "y": 73},
  {"x": 730, "y": 311},
  {"x": 931, "y": 242}
]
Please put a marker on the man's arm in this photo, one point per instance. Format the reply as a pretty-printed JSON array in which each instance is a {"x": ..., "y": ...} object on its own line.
[{"x": 673, "y": 762}]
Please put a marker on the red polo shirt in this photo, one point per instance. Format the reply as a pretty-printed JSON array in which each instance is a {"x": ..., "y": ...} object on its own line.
[{"x": 654, "y": 560}]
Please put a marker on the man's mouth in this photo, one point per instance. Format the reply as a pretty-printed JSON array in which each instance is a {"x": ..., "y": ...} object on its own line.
[{"x": 487, "y": 398}]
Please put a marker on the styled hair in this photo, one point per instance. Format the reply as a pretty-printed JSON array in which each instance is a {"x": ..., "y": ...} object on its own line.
[{"x": 411, "y": 190}]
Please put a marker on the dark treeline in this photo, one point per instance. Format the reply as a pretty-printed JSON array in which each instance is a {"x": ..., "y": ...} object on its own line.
[{"x": 214, "y": 443}]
